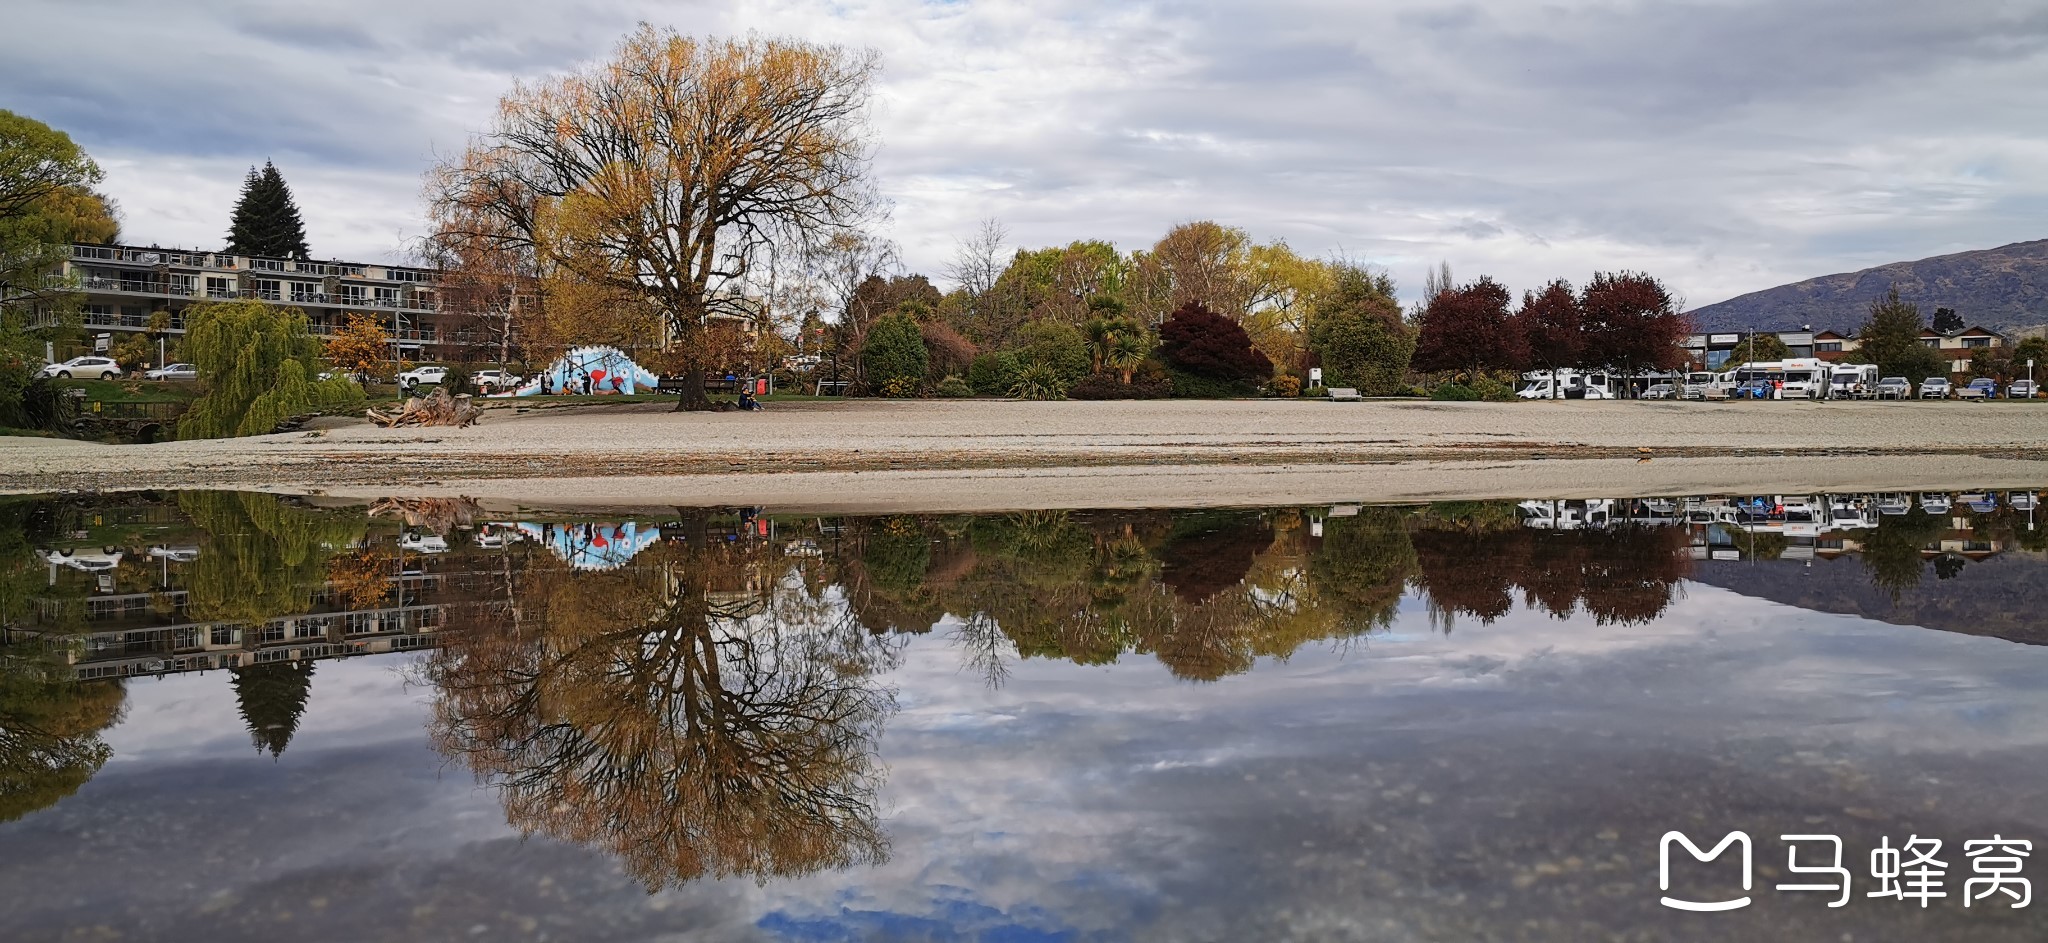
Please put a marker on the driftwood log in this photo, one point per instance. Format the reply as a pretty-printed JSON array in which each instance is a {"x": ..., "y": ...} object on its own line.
[{"x": 434, "y": 409}]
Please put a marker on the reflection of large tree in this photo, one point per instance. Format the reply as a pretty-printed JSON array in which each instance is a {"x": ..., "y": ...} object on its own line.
[
  {"x": 1891, "y": 552},
  {"x": 49, "y": 729},
  {"x": 679, "y": 712}
]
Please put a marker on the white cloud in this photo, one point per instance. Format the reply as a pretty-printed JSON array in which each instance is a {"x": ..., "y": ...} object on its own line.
[{"x": 1724, "y": 146}]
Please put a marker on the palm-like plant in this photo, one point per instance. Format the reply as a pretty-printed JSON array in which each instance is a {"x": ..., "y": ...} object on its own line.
[{"x": 1126, "y": 351}]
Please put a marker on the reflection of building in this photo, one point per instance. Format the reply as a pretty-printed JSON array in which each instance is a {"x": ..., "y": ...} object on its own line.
[{"x": 108, "y": 634}]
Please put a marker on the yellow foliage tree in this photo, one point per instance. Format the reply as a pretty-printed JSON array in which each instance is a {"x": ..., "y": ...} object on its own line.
[{"x": 362, "y": 347}]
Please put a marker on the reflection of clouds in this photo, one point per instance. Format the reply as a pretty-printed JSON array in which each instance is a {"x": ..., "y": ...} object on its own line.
[{"x": 1414, "y": 787}]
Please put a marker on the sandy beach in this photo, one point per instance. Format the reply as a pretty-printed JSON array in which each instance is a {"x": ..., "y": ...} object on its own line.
[{"x": 988, "y": 454}]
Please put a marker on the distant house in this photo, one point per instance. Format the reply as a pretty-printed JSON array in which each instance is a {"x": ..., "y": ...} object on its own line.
[
  {"x": 1833, "y": 345},
  {"x": 1957, "y": 346}
]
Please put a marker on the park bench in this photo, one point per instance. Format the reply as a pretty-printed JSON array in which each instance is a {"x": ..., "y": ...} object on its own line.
[{"x": 1341, "y": 394}]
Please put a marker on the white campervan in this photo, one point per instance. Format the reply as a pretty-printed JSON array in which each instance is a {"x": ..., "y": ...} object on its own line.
[
  {"x": 1852, "y": 381},
  {"x": 1567, "y": 384},
  {"x": 1803, "y": 378},
  {"x": 1702, "y": 384}
]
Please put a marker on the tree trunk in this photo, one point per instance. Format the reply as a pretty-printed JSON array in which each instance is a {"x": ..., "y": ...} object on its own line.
[{"x": 692, "y": 398}]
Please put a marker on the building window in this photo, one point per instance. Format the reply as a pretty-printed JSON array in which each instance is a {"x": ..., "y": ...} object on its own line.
[
  {"x": 387, "y": 297},
  {"x": 227, "y": 635},
  {"x": 350, "y": 294},
  {"x": 1976, "y": 342},
  {"x": 309, "y": 628},
  {"x": 1828, "y": 347},
  {"x": 272, "y": 632},
  {"x": 184, "y": 284},
  {"x": 268, "y": 289},
  {"x": 305, "y": 291},
  {"x": 268, "y": 265},
  {"x": 220, "y": 286}
]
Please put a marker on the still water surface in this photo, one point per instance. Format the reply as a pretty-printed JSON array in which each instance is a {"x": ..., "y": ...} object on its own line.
[{"x": 243, "y": 717}]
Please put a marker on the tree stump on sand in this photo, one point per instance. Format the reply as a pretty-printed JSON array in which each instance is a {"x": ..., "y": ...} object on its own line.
[{"x": 434, "y": 409}]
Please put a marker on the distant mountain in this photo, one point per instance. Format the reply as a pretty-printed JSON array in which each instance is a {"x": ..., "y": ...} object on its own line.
[{"x": 2000, "y": 288}]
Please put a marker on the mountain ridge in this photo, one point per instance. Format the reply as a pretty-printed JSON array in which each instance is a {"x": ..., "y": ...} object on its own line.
[{"x": 2003, "y": 288}]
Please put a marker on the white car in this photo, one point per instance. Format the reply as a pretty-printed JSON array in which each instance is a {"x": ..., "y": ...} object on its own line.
[
  {"x": 89, "y": 561},
  {"x": 172, "y": 371},
  {"x": 423, "y": 543},
  {"x": 101, "y": 367},
  {"x": 423, "y": 376},
  {"x": 495, "y": 380},
  {"x": 1934, "y": 388},
  {"x": 185, "y": 554}
]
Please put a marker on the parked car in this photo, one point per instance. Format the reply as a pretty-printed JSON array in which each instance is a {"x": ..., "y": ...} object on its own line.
[
  {"x": 423, "y": 543},
  {"x": 1894, "y": 388},
  {"x": 1935, "y": 502},
  {"x": 1754, "y": 389},
  {"x": 2022, "y": 389},
  {"x": 86, "y": 560},
  {"x": 1661, "y": 391},
  {"x": 102, "y": 367},
  {"x": 1980, "y": 388},
  {"x": 2022, "y": 500},
  {"x": 423, "y": 376},
  {"x": 1934, "y": 388},
  {"x": 172, "y": 371},
  {"x": 1894, "y": 502},
  {"x": 1980, "y": 502},
  {"x": 496, "y": 380}
]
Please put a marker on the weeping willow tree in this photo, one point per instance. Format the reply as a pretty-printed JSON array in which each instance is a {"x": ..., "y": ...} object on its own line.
[
  {"x": 264, "y": 558},
  {"x": 260, "y": 362}
]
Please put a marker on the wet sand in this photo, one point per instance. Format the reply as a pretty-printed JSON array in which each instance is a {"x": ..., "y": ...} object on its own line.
[{"x": 986, "y": 455}]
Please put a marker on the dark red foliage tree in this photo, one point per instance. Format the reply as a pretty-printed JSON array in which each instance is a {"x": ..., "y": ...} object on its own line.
[
  {"x": 1551, "y": 327},
  {"x": 1469, "y": 328},
  {"x": 1631, "y": 322},
  {"x": 1199, "y": 341}
]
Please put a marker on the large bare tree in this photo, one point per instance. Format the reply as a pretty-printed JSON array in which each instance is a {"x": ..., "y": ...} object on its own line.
[{"x": 667, "y": 171}]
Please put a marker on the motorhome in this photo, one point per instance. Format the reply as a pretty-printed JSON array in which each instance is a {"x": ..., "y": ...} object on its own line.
[
  {"x": 1852, "y": 381},
  {"x": 1803, "y": 378},
  {"x": 1566, "y": 384},
  {"x": 1704, "y": 384}
]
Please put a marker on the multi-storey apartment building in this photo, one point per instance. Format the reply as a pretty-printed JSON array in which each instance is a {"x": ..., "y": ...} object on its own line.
[{"x": 124, "y": 287}]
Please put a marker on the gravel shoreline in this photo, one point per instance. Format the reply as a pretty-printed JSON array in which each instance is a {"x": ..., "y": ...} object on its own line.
[{"x": 1073, "y": 447}]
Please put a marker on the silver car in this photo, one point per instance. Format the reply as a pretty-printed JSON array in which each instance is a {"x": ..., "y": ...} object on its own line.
[
  {"x": 1894, "y": 388},
  {"x": 1934, "y": 388},
  {"x": 2022, "y": 389},
  {"x": 172, "y": 371}
]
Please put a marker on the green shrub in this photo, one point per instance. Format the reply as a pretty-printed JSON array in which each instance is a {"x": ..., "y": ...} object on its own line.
[
  {"x": 1040, "y": 381},
  {"x": 953, "y": 386},
  {"x": 1058, "y": 347},
  {"x": 1191, "y": 386},
  {"x": 893, "y": 350},
  {"x": 899, "y": 388},
  {"x": 1454, "y": 392},
  {"x": 1493, "y": 391},
  {"x": 993, "y": 373},
  {"x": 1107, "y": 386},
  {"x": 457, "y": 380}
]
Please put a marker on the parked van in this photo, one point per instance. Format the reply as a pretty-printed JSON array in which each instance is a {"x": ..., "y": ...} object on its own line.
[
  {"x": 1702, "y": 384},
  {"x": 1569, "y": 384},
  {"x": 1852, "y": 381}
]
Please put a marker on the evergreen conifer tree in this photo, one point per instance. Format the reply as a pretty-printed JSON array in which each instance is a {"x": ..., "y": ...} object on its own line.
[
  {"x": 266, "y": 219},
  {"x": 272, "y": 697}
]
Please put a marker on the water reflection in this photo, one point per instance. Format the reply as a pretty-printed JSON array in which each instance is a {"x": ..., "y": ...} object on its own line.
[
  {"x": 682, "y": 713},
  {"x": 701, "y": 693}
]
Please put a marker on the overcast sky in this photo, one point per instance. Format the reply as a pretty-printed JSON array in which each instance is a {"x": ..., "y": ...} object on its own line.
[{"x": 1726, "y": 146}]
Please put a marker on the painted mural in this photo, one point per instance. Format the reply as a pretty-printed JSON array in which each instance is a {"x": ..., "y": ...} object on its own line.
[{"x": 593, "y": 371}]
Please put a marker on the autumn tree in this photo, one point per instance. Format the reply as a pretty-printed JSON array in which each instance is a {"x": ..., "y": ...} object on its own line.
[
  {"x": 1632, "y": 323},
  {"x": 490, "y": 281},
  {"x": 1356, "y": 330},
  {"x": 46, "y": 202},
  {"x": 1203, "y": 262},
  {"x": 1890, "y": 337},
  {"x": 1469, "y": 328},
  {"x": 361, "y": 347},
  {"x": 668, "y": 171},
  {"x": 1551, "y": 328}
]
